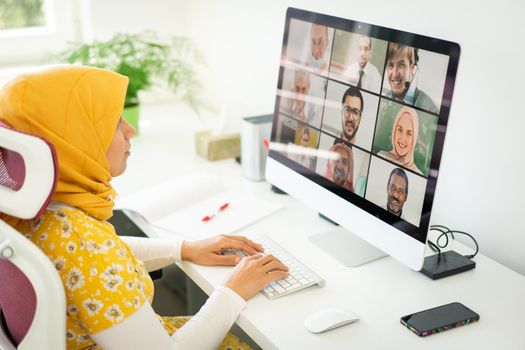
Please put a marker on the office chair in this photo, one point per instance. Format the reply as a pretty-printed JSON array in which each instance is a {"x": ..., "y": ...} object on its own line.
[{"x": 32, "y": 297}]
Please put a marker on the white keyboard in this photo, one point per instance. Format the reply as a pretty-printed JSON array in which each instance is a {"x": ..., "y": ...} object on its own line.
[{"x": 299, "y": 276}]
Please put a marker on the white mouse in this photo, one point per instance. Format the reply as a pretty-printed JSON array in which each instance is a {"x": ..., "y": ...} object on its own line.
[{"x": 327, "y": 319}]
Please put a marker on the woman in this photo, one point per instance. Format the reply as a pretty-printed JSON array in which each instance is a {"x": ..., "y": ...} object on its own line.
[
  {"x": 108, "y": 291},
  {"x": 303, "y": 158},
  {"x": 404, "y": 139}
]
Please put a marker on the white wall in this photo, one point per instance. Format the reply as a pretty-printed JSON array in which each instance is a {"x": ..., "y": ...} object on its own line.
[
  {"x": 480, "y": 185},
  {"x": 132, "y": 16}
]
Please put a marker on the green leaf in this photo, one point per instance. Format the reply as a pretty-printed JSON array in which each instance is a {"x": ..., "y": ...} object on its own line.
[{"x": 146, "y": 60}]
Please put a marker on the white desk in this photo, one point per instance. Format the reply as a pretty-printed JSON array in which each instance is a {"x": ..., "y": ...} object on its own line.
[{"x": 380, "y": 292}]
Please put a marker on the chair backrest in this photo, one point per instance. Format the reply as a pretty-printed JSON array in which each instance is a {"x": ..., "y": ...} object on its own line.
[
  {"x": 32, "y": 298},
  {"x": 18, "y": 301}
]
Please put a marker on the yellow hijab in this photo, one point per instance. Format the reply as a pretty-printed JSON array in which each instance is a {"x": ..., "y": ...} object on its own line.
[{"x": 77, "y": 109}]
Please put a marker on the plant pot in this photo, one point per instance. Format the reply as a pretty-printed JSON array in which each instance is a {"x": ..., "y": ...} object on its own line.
[{"x": 132, "y": 116}]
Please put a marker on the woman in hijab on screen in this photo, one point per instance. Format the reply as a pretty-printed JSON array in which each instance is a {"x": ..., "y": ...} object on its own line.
[{"x": 404, "y": 139}]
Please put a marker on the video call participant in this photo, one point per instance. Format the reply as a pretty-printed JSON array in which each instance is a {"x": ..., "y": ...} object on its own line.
[
  {"x": 304, "y": 159},
  {"x": 306, "y": 112},
  {"x": 341, "y": 170},
  {"x": 352, "y": 110},
  {"x": 319, "y": 42},
  {"x": 362, "y": 73},
  {"x": 404, "y": 139},
  {"x": 397, "y": 191},
  {"x": 401, "y": 69}
]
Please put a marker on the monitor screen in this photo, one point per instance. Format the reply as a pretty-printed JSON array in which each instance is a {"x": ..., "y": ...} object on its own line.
[{"x": 360, "y": 115}]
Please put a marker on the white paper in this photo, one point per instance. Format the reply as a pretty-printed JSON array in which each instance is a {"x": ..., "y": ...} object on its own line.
[
  {"x": 243, "y": 210},
  {"x": 166, "y": 198}
]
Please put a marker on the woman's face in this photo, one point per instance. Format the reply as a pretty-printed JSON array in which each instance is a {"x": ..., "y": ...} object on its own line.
[
  {"x": 305, "y": 140},
  {"x": 403, "y": 135},
  {"x": 119, "y": 149}
]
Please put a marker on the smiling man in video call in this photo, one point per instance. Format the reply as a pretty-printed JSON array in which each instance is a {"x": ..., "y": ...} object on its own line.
[
  {"x": 362, "y": 73},
  {"x": 352, "y": 110},
  {"x": 401, "y": 69},
  {"x": 397, "y": 191},
  {"x": 341, "y": 170}
]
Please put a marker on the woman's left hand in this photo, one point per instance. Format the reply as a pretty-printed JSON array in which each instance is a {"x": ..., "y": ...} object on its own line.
[{"x": 209, "y": 251}]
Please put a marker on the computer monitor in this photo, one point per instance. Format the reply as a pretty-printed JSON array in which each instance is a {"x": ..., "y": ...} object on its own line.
[{"x": 359, "y": 123}]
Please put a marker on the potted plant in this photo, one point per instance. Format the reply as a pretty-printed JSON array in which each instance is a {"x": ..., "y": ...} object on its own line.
[{"x": 146, "y": 60}]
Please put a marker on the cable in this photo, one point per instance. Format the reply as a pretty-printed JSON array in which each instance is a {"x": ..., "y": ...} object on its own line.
[
  {"x": 434, "y": 247},
  {"x": 444, "y": 234}
]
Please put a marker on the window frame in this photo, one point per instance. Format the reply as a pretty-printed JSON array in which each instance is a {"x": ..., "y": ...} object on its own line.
[{"x": 34, "y": 45}]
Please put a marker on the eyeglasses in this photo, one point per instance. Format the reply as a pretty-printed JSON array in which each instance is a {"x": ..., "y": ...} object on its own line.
[{"x": 354, "y": 112}]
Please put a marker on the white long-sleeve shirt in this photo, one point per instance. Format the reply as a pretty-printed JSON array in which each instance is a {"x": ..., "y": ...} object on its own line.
[
  {"x": 142, "y": 330},
  {"x": 371, "y": 78}
]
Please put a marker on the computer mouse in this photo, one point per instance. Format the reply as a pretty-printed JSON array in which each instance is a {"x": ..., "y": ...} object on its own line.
[{"x": 327, "y": 319}]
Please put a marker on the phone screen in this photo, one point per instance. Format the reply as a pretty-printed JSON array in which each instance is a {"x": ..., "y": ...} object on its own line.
[{"x": 439, "y": 319}]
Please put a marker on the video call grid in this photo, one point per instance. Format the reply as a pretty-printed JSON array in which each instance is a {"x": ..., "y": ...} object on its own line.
[{"x": 322, "y": 131}]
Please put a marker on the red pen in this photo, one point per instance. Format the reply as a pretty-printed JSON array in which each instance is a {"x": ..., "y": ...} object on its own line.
[
  {"x": 211, "y": 216},
  {"x": 266, "y": 144}
]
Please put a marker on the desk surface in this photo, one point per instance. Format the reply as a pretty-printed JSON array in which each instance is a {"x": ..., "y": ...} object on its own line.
[{"x": 380, "y": 292}]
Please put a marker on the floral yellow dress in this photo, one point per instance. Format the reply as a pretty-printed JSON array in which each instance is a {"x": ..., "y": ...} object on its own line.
[{"x": 103, "y": 281}]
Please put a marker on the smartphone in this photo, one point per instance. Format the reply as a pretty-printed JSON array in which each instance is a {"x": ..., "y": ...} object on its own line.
[{"x": 439, "y": 319}]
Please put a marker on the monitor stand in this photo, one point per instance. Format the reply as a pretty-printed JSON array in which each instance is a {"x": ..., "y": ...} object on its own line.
[{"x": 346, "y": 247}]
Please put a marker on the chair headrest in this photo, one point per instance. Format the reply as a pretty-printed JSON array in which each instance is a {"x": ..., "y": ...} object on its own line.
[{"x": 28, "y": 173}]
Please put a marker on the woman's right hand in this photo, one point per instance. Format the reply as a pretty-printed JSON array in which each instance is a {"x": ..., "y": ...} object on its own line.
[{"x": 255, "y": 272}]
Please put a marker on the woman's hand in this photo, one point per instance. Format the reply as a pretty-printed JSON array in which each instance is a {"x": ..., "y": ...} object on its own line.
[
  {"x": 209, "y": 251},
  {"x": 254, "y": 273}
]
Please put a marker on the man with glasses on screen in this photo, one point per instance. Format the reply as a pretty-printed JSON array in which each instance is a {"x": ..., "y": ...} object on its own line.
[
  {"x": 351, "y": 113},
  {"x": 397, "y": 191}
]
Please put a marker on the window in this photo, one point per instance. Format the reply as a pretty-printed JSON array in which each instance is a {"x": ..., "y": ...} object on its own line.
[
  {"x": 32, "y": 30},
  {"x": 22, "y": 14}
]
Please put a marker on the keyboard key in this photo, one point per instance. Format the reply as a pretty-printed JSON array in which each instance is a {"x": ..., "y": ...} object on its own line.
[
  {"x": 281, "y": 282},
  {"x": 303, "y": 281},
  {"x": 294, "y": 286},
  {"x": 279, "y": 289},
  {"x": 291, "y": 280}
]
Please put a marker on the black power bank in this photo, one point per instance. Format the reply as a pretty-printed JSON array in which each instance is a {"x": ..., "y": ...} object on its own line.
[{"x": 446, "y": 264}]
